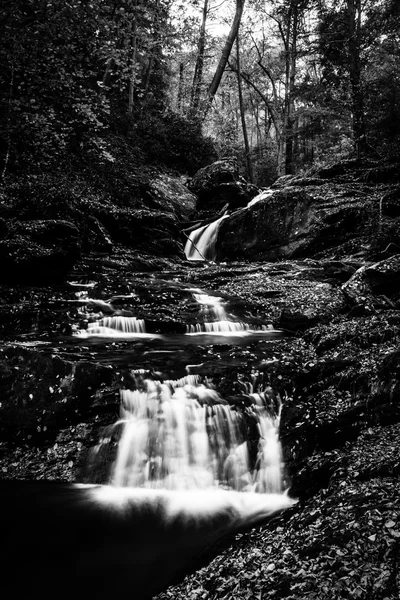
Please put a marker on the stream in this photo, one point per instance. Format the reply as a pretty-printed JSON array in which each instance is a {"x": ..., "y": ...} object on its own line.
[{"x": 196, "y": 410}]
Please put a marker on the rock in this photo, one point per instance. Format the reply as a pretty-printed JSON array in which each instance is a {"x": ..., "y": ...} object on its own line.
[
  {"x": 172, "y": 192},
  {"x": 282, "y": 182},
  {"x": 151, "y": 231},
  {"x": 376, "y": 285},
  {"x": 361, "y": 169},
  {"x": 40, "y": 250},
  {"x": 220, "y": 184},
  {"x": 391, "y": 203},
  {"x": 97, "y": 237},
  {"x": 43, "y": 392},
  {"x": 295, "y": 320},
  {"x": 293, "y": 222}
]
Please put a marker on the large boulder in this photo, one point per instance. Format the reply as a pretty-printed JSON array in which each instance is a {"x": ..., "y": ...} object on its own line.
[
  {"x": 171, "y": 193},
  {"x": 153, "y": 231},
  {"x": 219, "y": 186},
  {"x": 376, "y": 285},
  {"x": 293, "y": 222}
]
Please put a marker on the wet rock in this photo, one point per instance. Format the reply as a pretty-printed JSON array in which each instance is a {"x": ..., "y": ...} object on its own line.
[
  {"x": 40, "y": 250},
  {"x": 152, "y": 231},
  {"x": 44, "y": 392},
  {"x": 219, "y": 186},
  {"x": 376, "y": 285},
  {"x": 97, "y": 237},
  {"x": 340, "y": 270},
  {"x": 172, "y": 192},
  {"x": 361, "y": 169},
  {"x": 391, "y": 203},
  {"x": 270, "y": 229},
  {"x": 293, "y": 222},
  {"x": 292, "y": 180},
  {"x": 295, "y": 320}
]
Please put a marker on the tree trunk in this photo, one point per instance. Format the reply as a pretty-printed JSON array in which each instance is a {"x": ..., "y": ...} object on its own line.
[
  {"x": 357, "y": 97},
  {"x": 242, "y": 113},
  {"x": 198, "y": 70},
  {"x": 290, "y": 42},
  {"x": 180, "y": 87},
  {"x": 213, "y": 87},
  {"x": 132, "y": 80}
]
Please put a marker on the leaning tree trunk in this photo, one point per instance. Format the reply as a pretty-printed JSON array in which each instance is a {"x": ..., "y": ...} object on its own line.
[{"x": 223, "y": 61}]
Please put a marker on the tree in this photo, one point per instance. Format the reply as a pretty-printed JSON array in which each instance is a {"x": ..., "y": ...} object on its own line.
[
  {"x": 223, "y": 61},
  {"x": 198, "y": 71},
  {"x": 242, "y": 113},
  {"x": 353, "y": 8}
]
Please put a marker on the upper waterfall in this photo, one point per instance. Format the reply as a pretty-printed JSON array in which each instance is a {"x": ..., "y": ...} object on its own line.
[{"x": 201, "y": 242}]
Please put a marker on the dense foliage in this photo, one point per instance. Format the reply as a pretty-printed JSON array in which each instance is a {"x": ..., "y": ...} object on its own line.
[
  {"x": 80, "y": 81},
  {"x": 87, "y": 83}
]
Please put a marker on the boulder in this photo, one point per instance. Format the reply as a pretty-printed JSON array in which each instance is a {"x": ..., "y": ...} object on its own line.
[
  {"x": 171, "y": 192},
  {"x": 39, "y": 250},
  {"x": 153, "y": 231},
  {"x": 376, "y": 285},
  {"x": 391, "y": 203},
  {"x": 293, "y": 222},
  {"x": 42, "y": 392},
  {"x": 219, "y": 186}
]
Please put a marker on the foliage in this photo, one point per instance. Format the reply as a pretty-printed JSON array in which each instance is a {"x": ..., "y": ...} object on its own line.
[
  {"x": 74, "y": 74},
  {"x": 174, "y": 141}
]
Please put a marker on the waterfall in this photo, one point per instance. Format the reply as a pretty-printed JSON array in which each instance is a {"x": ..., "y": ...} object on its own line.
[
  {"x": 261, "y": 196},
  {"x": 215, "y": 318},
  {"x": 201, "y": 242},
  {"x": 182, "y": 434},
  {"x": 115, "y": 327}
]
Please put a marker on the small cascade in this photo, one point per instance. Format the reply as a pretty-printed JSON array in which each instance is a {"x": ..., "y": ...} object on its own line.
[
  {"x": 182, "y": 435},
  {"x": 215, "y": 318},
  {"x": 217, "y": 327},
  {"x": 116, "y": 326},
  {"x": 201, "y": 242}
]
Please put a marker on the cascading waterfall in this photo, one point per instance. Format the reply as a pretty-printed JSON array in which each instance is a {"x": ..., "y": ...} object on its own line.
[
  {"x": 201, "y": 242},
  {"x": 261, "y": 196},
  {"x": 115, "y": 327},
  {"x": 215, "y": 318},
  {"x": 181, "y": 435}
]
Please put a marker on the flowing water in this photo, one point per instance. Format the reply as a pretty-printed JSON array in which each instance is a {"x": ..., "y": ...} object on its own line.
[
  {"x": 201, "y": 242},
  {"x": 195, "y": 452},
  {"x": 181, "y": 433}
]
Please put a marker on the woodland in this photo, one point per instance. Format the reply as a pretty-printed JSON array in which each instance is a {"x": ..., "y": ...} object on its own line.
[{"x": 125, "y": 125}]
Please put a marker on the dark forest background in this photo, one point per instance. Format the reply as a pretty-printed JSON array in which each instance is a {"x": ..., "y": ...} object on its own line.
[{"x": 96, "y": 90}]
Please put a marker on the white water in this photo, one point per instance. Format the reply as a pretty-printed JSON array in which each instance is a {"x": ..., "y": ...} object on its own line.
[
  {"x": 201, "y": 242},
  {"x": 181, "y": 435},
  {"x": 216, "y": 321},
  {"x": 262, "y": 196},
  {"x": 116, "y": 327}
]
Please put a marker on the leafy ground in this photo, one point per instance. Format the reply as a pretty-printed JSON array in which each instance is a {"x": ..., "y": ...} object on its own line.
[{"x": 342, "y": 543}]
